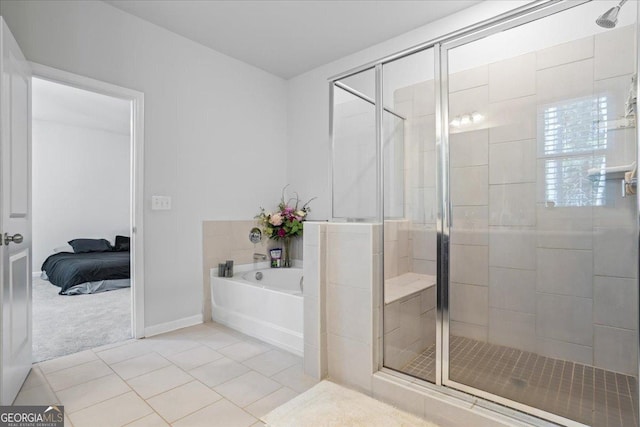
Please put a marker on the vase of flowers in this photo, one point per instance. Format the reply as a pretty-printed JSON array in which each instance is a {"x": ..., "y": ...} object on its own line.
[{"x": 285, "y": 223}]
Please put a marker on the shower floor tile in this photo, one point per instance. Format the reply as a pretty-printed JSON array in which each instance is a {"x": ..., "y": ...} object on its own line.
[{"x": 583, "y": 393}]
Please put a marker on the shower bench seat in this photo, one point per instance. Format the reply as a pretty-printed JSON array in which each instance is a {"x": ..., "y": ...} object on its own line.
[{"x": 399, "y": 287}]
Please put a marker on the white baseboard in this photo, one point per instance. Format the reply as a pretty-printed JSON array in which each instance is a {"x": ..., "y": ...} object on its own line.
[{"x": 173, "y": 325}]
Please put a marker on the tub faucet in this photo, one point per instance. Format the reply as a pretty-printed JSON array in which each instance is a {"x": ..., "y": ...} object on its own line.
[{"x": 257, "y": 256}]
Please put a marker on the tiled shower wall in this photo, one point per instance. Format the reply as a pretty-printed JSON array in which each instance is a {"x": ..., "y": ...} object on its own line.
[{"x": 559, "y": 281}]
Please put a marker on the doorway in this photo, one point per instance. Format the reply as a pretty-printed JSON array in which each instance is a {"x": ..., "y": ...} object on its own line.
[{"x": 87, "y": 145}]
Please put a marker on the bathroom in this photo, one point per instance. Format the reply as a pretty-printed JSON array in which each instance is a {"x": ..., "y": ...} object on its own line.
[
  {"x": 537, "y": 224},
  {"x": 463, "y": 251},
  {"x": 509, "y": 247}
]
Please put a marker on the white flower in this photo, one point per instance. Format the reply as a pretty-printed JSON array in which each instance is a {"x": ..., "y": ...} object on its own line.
[
  {"x": 276, "y": 219},
  {"x": 301, "y": 214}
]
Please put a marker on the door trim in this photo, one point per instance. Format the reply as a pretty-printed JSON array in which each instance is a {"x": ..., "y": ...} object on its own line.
[{"x": 137, "y": 174}]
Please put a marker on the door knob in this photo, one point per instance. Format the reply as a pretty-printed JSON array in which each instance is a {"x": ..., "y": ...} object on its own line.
[{"x": 16, "y": 238}]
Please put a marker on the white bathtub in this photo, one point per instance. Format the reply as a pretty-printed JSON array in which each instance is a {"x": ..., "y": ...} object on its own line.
[{"x": 270, "y": 309}]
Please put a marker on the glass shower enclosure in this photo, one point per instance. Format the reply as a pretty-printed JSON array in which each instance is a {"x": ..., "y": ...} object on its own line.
[{"x": 500, "y": 162}]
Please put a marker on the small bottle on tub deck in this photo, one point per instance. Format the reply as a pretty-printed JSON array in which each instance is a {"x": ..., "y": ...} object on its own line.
[
  {"x": 229, "y": 269},
  {"x": 276, "y": 257}
]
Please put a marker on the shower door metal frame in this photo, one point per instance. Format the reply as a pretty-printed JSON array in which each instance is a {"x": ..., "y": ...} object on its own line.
[
  {"x": 520, "y": 16},
  {"x": 446, "y": 209}
]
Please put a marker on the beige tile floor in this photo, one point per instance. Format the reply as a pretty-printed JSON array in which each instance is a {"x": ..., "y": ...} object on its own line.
[{"x": 206, "y": 375}]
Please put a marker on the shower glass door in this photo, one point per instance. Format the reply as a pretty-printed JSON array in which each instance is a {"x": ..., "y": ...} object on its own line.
[
  {"x": 410, "y": 215},
  {"x": 543, "y": 239}
]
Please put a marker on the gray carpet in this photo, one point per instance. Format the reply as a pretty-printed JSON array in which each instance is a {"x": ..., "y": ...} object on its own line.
[{"x": 69, "y": 324}]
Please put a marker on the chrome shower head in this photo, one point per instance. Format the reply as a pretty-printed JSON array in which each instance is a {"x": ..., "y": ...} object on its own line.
[{"x": 609, "y": 19}]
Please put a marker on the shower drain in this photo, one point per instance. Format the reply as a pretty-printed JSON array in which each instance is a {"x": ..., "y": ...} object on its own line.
[{"x": 518, "y": 382}]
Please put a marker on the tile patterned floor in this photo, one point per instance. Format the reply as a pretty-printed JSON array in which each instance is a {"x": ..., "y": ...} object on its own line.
[
  {"x": 206, "y": 375},
  {"x": 586, "y": 394}
]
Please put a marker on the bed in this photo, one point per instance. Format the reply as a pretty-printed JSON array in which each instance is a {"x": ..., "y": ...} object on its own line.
[{"x": 89, "y": 269}]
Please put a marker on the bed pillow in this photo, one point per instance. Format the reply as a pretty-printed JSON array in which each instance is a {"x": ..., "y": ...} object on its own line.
[
  {"x": 65, "y": 248},
  {"x": 122, "y": 243},
  {"x": 90, "y": 245}
]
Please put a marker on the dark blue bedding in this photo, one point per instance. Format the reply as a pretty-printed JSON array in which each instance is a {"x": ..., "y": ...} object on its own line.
[{"x": 66, "y": 270}]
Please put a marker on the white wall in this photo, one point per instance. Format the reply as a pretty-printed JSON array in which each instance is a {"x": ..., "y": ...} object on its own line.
[
  {"x": 214, "y": 129},
  {"x": 80, "y": 185}
]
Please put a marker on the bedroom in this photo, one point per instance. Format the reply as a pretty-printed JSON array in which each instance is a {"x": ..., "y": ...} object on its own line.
[{"x": 81, "y": 219}]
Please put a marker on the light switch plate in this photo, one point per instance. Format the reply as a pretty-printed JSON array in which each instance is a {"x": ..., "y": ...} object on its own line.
[{"x": 160, "y": 203}]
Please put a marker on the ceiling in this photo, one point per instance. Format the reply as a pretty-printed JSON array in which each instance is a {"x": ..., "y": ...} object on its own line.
[
  {"x": 286, "y": 37},
  {"x": 77, "y": 107}
]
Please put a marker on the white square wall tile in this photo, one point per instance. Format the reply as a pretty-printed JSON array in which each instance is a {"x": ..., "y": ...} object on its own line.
[
  {"x": 513, "y": 119},
  {"x": 512, "y": 289},
  {"x": 565, "y": 228},
  {"x": 564, "y": 53},
  {"x": 423, "y": 243},
  {"x": 574, "y": 314},
  {"x": 469, "y": 225},
  {"x": 513, "y": 162},
  {"x": 469, "y": 264},
  {"x": 512, "y": 204},
  {"x": 469, "y": 101},
  {"x": 469, "y": 304},
  {"x": 311, "y": 233},
  {"x": 469, "y": 148},
  {"x": 565, "y": 272},
  {"x": 350, "y": 313},
  {"x": 564, "y": 350},
  {"x": 615, "y": 302},
  {"x": 512, "y": 248},
  {"x": 616, "y": 91},
  {"x": 615, "y": 252},
  {"x": 423, "y": 98},
  {"x": 312, "y": 321},
  {"x": 470, "y": 186},
  {"x": 564, "y": 82},
  {"x": 615, "y": 52},
  {"x": 349, "y": 258},
  {"x": 614, "y": 349},
  {"x": 512, "y": 78},
  {"x": 512, "y": 329},
  {"x": 467, "y": 79},
  {"x": 350, "y": 362},
  {"x": 468, "y": 330}
]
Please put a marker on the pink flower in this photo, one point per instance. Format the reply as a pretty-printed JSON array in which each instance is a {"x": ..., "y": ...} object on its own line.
[
  {"x": 276, "y": 219},
  {"x": 288, "y": 210},
  {"x": 281, "y": 232}
]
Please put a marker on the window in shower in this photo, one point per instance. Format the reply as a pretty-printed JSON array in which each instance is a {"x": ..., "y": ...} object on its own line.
[{"x": 573, "y": 143}]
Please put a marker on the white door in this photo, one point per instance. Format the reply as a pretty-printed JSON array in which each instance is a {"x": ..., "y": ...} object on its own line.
[{"x": 15, "y": 216}]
